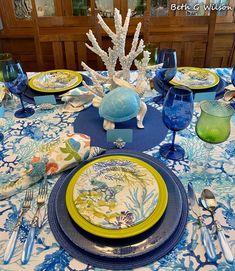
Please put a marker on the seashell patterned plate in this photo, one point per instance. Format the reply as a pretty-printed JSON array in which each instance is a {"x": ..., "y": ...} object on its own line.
[
  {"x": 55, "y": 81},
  {"x": 116, "y": 197},
  {"x": 195, "y": 78}
]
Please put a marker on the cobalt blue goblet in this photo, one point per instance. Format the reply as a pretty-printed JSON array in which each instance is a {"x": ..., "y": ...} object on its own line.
[
  {"x": 177, "y": 114},
  {"x": 233, "y": 76},
  {"x": 166, "y": 73},
  {"x": 16, "y": 81},
  {"x": 1, "y": 116},
  {"x": 1, "y": 137}
]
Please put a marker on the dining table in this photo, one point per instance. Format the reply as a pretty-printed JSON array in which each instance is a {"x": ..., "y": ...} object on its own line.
[{"x": 22, "y": 137}]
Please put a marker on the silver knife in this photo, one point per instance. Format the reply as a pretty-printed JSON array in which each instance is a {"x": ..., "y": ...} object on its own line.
[{"x": 205, "y": 235}]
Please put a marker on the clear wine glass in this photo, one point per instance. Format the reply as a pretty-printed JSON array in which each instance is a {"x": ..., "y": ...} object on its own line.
[
  {"x": 177, "y": 114},
  {"x": 16, "y": 81},
  {"x": 166, "y": 73}
]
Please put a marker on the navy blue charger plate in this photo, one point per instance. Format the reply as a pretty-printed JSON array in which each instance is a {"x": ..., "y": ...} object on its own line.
[
  {"x": 90, "y": 123},
  {"x": 219, "y": 88},
  {"x": 112, "y": 258},
  {"x": 29, "y": 94}
]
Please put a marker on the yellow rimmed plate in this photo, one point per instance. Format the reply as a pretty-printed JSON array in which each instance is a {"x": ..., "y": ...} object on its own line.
[
  {"x": 116, "y": 197},
  {"x": 55, "y": 81},
  {"x": 195, "y": 78}
]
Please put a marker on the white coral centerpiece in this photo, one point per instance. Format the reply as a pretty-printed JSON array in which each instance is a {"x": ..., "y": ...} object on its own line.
[{"x": 119, "y": 77}]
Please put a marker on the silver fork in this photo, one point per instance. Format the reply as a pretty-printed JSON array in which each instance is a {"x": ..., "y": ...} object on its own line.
[
  {"x": 28, "y": 245},
  {"x": 12, "y": 241}
]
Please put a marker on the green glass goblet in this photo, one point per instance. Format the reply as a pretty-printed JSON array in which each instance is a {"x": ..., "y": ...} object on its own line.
[{"x": 213, "y": 126}]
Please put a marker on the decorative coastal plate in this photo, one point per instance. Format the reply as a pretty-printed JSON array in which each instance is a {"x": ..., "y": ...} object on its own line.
[
  {"x": 127, "y": 253},
  {"x": 195, "y": 78},
  {"x": 116, "y": 197},
  {"x": 55, "y": 81}
]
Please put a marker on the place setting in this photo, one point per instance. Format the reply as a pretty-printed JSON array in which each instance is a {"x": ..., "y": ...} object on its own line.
[
  {"x": 110, "y": 235},
  {"x": 68, "y": 94},
  {"x": 205, "y": 84},
  {"x": 50, "y": 87},
  {"x": 109, "y": 182},
  {"x": 54, "y": 82}
]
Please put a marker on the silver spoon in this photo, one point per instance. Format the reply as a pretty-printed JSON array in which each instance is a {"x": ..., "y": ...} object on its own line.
[{"x": 209, "y": 202}]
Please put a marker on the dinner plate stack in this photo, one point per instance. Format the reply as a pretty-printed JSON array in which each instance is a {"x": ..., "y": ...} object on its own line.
[
  {"x": 54, "y": 82},
  {"x": 120, "y": 210},
  {"x": 197, "y": 79}
]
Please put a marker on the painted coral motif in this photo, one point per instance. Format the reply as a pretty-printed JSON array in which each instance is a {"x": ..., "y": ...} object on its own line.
[
  {"x": 98, "y": 202},
  {"x": 113, "y": 193}
]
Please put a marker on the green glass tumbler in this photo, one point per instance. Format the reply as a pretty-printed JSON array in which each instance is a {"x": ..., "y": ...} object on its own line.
[
  {"x": 213, "y": 125},
  {"x": 5, "y": 58}
]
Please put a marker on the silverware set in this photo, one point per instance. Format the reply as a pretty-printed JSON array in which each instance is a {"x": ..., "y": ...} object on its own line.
[
  {"x": 209, "y": 203},
  {"x": 35, "y": 224}
]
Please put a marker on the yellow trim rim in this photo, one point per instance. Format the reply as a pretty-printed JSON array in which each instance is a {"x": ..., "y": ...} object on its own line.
[
  {"x": 216, "y": 77},
  {"x": 77, "y": 74}
]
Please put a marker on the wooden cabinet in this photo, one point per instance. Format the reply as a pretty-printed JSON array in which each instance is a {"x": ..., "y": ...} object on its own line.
[{"x": 60, "y": 27}]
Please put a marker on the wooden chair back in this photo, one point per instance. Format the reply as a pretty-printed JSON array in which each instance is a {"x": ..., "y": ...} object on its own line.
[
  {"x": 66, "y": 35},
  {"x": 191, "y": 36}
]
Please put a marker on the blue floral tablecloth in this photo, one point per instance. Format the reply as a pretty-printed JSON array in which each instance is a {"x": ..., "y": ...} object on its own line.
[{"x": 22, "y": 137}]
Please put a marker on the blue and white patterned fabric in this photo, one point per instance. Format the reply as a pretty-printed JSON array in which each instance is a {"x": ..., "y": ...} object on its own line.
[{"x": 22, "y": 138}]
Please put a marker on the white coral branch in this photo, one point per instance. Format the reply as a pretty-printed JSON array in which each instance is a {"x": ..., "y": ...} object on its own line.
[
  {"x": 93, "y": 89},
  {"x": 136, "y": 49},
  {"x": 143, "y": 67},
  {"x": 106, "y": 28},
  {"x": 111, "y": 56},
  {"x": 102, "y": 78},
  {"x": 96, "y": 48},
  {"x": 117, "y": 20}
]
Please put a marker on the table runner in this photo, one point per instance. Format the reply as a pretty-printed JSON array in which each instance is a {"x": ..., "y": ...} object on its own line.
[{"x": 23, "y": 136}]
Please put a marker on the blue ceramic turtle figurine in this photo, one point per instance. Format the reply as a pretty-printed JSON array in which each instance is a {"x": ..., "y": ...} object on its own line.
[{"x": 119, "y": 105}]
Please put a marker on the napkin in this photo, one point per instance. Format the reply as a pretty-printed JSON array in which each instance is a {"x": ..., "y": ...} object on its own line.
[
  {"x": 229, "y": 94},
  {"x": 76, "y": 99},
  {"x": 52, "y": 158}
]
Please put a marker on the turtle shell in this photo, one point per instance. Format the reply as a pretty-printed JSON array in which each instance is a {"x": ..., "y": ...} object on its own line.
[{"x": 120, "y": 104}]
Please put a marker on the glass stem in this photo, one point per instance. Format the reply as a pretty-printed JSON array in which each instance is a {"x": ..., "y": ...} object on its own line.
[
  {"x": 21, "y": 101},
  {"x": 173, "y": 141}
]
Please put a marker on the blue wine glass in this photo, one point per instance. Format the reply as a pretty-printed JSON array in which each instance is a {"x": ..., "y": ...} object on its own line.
[
  {"x": 233, "y": 76},
  {"x": 1, "y": 116},
  {"x": 177, "y": 115},
  {"x": 16, "y": 81},
  {"x": 166, "y": 73}
]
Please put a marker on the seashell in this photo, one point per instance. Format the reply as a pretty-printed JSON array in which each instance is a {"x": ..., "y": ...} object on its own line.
[
  {"x": 229, "y": 95},
  {"x": 120, "y": 104}
]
